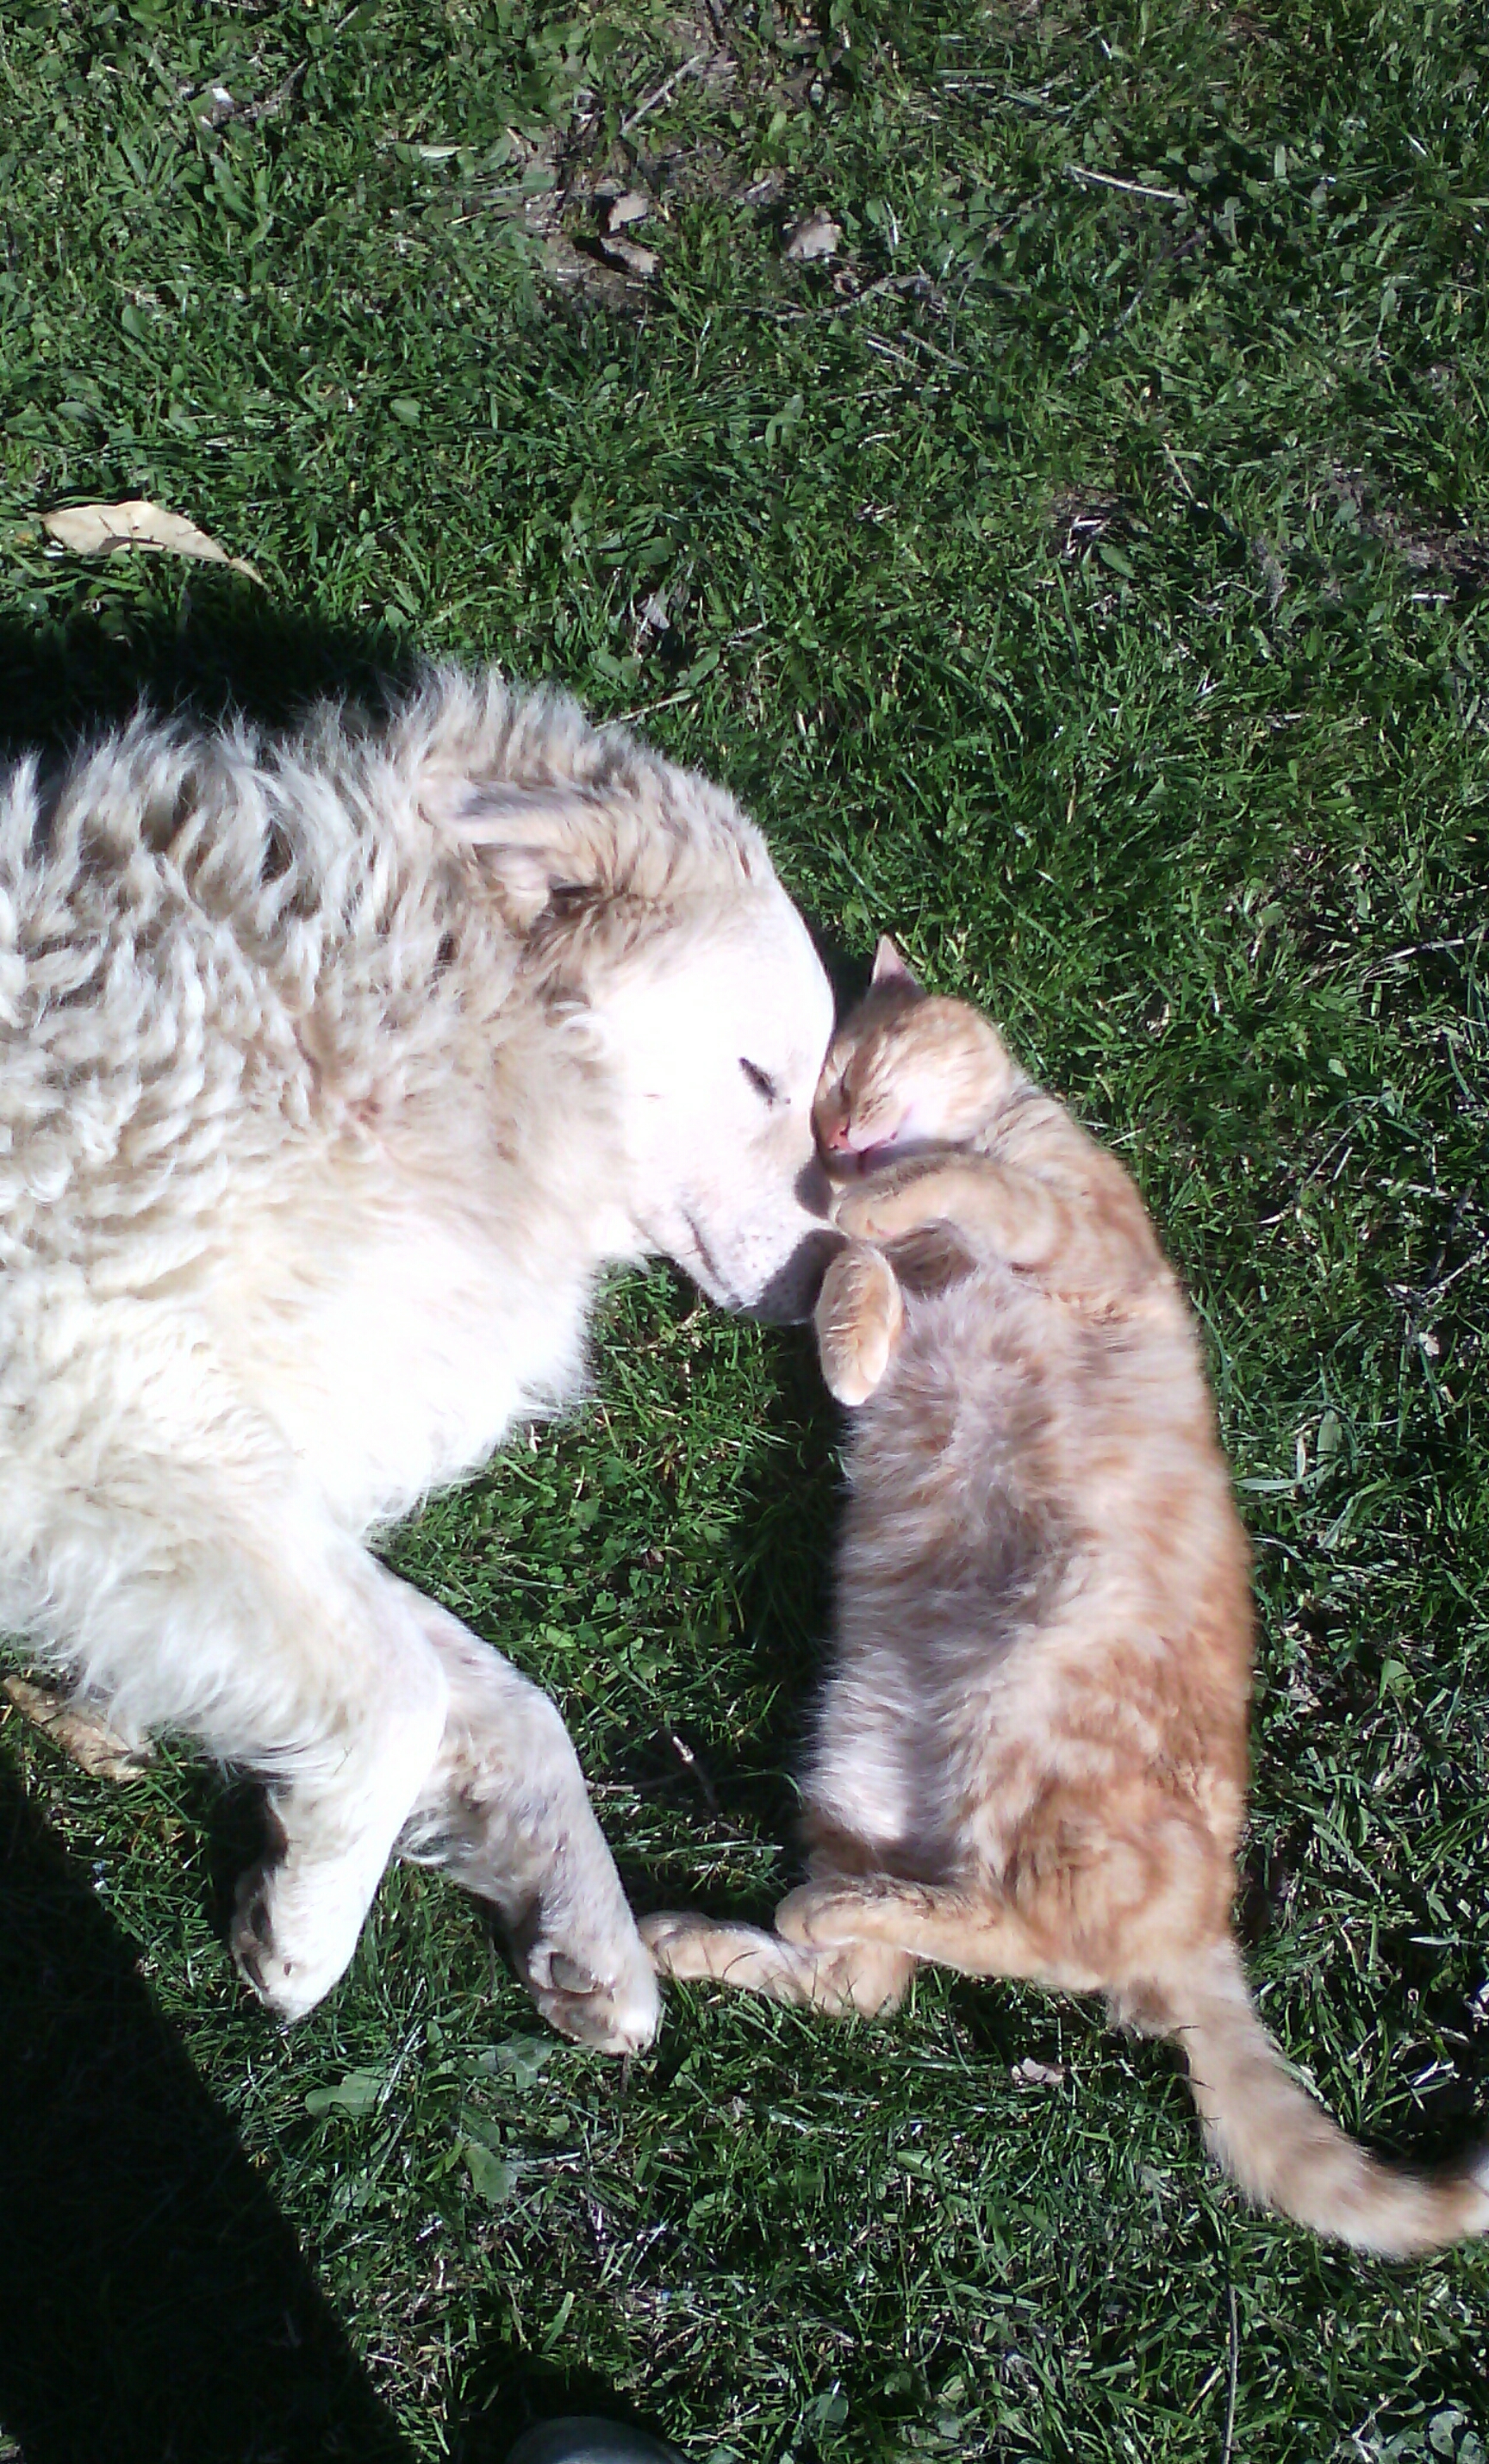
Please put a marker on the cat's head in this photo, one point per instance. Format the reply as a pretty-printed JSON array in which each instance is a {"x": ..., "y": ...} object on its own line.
[{"x": 908, "y": 1070}]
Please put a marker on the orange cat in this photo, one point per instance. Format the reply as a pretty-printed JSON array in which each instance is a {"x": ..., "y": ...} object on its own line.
[{"x": 1031, "y": 1759}]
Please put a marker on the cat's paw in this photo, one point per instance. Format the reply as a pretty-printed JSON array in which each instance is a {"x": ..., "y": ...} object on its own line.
[
  {"x": 678, "y": 1945},
  {"x": 896, "y": 1202},
  {"x": 866, "y": 1979},
  {"x": 741, "y": 1955},
  {"x": 819, "y": 1913},
  {"x": 857, "y": 1317},
  {"x": 846, "y": 1909}
]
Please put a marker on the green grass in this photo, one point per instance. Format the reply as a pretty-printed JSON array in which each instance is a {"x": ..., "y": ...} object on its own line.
[{"x": 1083, "y": 584}]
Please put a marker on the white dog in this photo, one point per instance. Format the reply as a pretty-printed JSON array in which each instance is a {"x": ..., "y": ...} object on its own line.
[{"x": 334, "y": 1070}]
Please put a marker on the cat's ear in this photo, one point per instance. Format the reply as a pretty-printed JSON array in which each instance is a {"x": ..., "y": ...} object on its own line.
[{"x": 889, "y": 967}]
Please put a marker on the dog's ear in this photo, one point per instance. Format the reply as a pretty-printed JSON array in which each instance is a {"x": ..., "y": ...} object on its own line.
[
  {"x": 890, "y": 968},
  {"x": 541, "y": 848}
]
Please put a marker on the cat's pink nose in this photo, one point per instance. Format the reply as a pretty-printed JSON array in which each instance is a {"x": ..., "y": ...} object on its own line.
[{"x": 838, "y": 1140}]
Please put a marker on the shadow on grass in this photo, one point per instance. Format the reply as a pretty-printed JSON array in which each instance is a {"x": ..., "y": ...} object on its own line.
[
  {"x": 509, "y": 2393},
  {"x": 221, "y": 649},
  {"x": 154, "y": 2302},
  {"x": 737, "y": 1784}
]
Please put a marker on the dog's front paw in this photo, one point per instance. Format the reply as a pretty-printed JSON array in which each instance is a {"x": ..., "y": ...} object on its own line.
[
  {"x": 616, "y": 2013},
  {"x": 291, "y": 1942}
]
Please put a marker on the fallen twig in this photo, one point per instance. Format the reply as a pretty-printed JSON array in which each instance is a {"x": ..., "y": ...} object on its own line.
[
  {"x": 1129, "y": 187},
  {"x": 690, "y": 1763},
  {"x": 652, "y": 102}
]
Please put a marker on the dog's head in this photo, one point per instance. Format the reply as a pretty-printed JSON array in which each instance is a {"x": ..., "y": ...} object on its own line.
[
  {"x": 644, "y": 895},
  {"x": 718, "y": 1030}
]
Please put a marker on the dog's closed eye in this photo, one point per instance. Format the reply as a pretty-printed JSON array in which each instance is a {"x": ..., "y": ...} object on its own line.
[{"x": 760, "y": 1080}]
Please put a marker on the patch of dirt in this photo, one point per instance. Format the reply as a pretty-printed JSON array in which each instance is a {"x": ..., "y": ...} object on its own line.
[
  {"x": 1457, "y": 556},
  {"x": 671, "y": 170},
  {"x": 546, "y": 215},
  {"x": 565, "y": 189}
]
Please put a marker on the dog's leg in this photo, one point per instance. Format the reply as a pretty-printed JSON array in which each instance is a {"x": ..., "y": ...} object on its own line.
[
  {"x": 349, "y": 1780},
  {"x": 201, "y": 1587},
  {"x": 506, "y": 1811}
]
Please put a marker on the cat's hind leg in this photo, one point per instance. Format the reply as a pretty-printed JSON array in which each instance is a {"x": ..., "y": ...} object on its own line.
[
  {"x": 858, "y": 1314},
  {"x": 869, "y": 1978},
  {"x": 919, "y": 1921}
]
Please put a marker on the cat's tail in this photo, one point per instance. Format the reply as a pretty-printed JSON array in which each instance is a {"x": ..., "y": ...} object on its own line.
[{"x": 1283, "y": 2149}]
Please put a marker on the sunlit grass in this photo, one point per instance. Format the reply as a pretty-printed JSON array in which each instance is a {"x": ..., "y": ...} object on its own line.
[{"x": 1079, "y": 575}]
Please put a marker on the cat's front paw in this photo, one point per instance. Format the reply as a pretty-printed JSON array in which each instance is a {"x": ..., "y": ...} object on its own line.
[
  {"x": 844, "y": 1908},
  {"x": 866, "y": 1978},
  {"x": 898, "y": 1201},
  {"x": 692, "y": 1947},
  {"x": 677, "y": 1943},
  {"x": 807, "y": 1915},
  {"x": 857, "y": 1317}
]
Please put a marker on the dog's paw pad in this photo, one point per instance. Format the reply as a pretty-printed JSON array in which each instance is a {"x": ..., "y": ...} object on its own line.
[
  {"x": 615, "y": 2014},
  {"x": 265, "y": 1970},
  {"x": 571, "y": 1976},
  {"x": 611, "y": 2019}
]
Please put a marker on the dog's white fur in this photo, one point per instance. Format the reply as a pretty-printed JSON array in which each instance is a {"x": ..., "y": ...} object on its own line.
[{"x": 334, "y": 1070}]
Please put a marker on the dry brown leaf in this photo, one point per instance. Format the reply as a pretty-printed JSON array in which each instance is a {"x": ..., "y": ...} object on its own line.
[
  {"x": 819, "y": 235},
  {"x": 95, "y": 530},
  {"x": 1032, "y": 2074},
  {"x": 630, "y": 254},
  {"x": 631, "y": 208},
  {"x": 80, "y": 1731}
]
